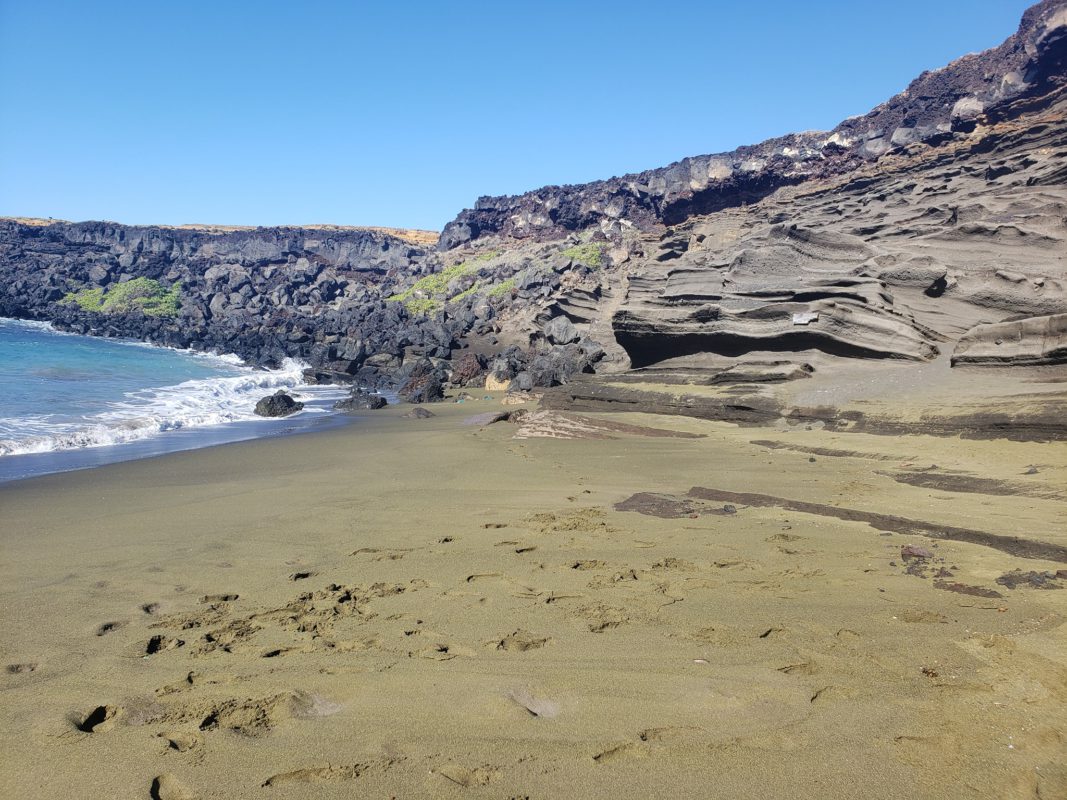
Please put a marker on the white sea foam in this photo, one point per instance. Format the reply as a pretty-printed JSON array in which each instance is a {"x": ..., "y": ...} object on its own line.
[{"x": 147, "y": 413}]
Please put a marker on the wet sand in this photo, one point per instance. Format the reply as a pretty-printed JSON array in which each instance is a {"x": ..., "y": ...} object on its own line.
[{"x": 427, "y": 608}]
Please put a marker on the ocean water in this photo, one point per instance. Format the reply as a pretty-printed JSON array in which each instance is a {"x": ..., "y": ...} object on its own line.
[{"x": 69, "y": 401}]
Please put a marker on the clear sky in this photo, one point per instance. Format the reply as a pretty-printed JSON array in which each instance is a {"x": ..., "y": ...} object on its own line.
[{"x": 403, "y": 113}]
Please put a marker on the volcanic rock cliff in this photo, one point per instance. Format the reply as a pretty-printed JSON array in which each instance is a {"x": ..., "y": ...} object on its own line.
[
  {"x": 936, "y": 107},
  {"x": 932, "y": 230}
]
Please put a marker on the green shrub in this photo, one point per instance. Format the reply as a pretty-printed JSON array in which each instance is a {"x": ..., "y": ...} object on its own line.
[
  {"x": 421, "y": 305},
  {"x": 86, "y": 299},
  {"x": 145, "y": 294},
  {"x": 589, "y": 254},
  {"x": 426, "y": 294},
  {"x": 503, "y": 288},
  {"x": 472, "y": 290},
  {"x": 164, "y": 304}
]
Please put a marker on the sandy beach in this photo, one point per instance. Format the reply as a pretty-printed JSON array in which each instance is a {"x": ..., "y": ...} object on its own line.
[{"x": 436, "y": 608}]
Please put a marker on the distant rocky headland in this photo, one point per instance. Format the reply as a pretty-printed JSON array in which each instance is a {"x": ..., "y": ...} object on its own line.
[{"x": 933, "y": 227}]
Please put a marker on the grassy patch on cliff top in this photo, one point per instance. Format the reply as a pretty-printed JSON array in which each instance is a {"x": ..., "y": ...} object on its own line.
[{"x": 144, "y": 294}]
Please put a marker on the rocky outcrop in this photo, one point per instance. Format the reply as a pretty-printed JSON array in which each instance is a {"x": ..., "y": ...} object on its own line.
[
  {"x": 787, "y": 289},
  {"x": 265, "y": 294},
  {"x": 937, "y": 106},
  {"x": 1032, "y": 341},
  {"x": 424, "y": 383}
]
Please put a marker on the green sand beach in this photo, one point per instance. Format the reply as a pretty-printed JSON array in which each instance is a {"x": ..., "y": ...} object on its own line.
[{"x": 433, "y": 608}]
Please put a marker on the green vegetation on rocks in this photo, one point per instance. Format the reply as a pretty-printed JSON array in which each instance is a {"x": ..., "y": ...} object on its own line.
[
  {"x": 144, "y": 294},
  {"x": 420, "y": 305},
  {"x": 428, "y": 293},
  {"x": 589, "y": 254},
  {"x": 504, "y": 288}
]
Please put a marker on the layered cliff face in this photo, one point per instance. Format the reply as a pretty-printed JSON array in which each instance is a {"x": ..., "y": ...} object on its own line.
[
  {"x": 903, "y": 234},
  {"x": 901, "y": 262},
  {"x": 932, "y": 230}
]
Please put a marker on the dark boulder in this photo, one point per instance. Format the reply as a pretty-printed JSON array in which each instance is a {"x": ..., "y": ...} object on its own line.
[
  {"x": 469, "y": 371},
  {"x": 278, "y": 404},
  {"x": 421, "y": 381},
  {"x": 523, "y": 382},
  {"x": 508, "y": 364},
  {"x": 419, "y": 413},
  {"x": 361, "y": 400},
  {"x": 326, "y": 376},
  {"x": 423, "y": 388},
  {"x": 561, "y": 330}
]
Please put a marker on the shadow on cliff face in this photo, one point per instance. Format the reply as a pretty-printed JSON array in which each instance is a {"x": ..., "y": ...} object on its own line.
[
  {"x": 737, "y": 190},
  {"x": 645, "y": 351}
]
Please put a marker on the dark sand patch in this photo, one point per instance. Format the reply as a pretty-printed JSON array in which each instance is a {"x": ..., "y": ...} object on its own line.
[{"x": 668, "y": 506}]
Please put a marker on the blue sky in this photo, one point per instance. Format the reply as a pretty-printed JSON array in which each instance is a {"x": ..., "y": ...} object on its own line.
[{"x": 402, "y": 113}]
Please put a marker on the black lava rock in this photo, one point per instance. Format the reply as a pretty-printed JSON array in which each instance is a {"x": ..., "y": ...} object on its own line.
[
  {"x": 360, "y": 400},
  {"x": 278, "y": 404}
]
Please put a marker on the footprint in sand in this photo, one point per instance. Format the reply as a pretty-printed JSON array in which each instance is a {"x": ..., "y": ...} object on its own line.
[
  {"x": 587, "y": 564},
  {"x": 520, "y": 641},
  {"x": 327, "y": 774},
  {"x": 100, "y": 720},
  {"x": 109, "y": 627},
  {"x": 311, "y": 705},
  {"x": 534, "y": 705},
  {"x": 445, "y": 652},
  {"x": 219, "y": 598},
  {"x": 249, "y": 717},
  {"x": 182, "y": 741},
  {"x": 602, "y": 617},
  {"x": 469, "y": 778},
  {"x": 20, "y": 669},
  {"x": 160, "y": 643},
  {"x": 620, "y": 752},
  {"x": 482, "y": 576},
  {"x": 670, "y": 734},
  {"x": 168, "y": 787}
]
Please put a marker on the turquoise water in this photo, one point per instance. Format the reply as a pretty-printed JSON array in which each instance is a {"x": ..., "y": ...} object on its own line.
[{"x": 63, "y": 394}]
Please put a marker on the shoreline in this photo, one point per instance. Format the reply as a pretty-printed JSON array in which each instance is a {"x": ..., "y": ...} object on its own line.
[
  {"x": 27, "y": 466},
  {"x": 122, "y": 406},
  {"x": 424, "y": 607}
]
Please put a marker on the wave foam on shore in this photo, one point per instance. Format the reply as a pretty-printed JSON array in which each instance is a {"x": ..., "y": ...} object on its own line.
[{"x": 147, "y": 413}]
